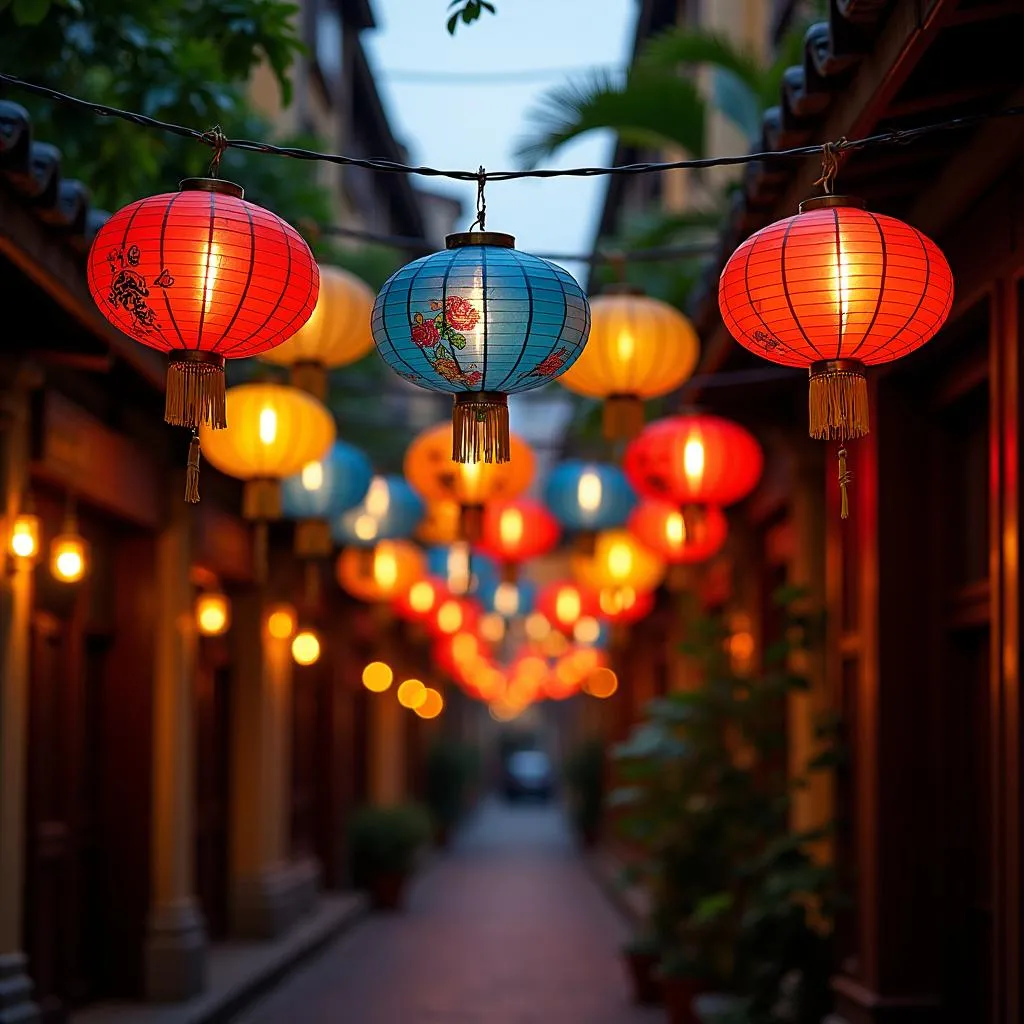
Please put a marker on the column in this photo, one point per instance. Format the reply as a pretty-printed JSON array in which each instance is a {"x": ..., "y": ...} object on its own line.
[
  {"x": 267, "y": 892},
  {"x": 16, "y": 1006},
  {"x": 387, "y": 748},
  {"x": 175, "y": 960}
]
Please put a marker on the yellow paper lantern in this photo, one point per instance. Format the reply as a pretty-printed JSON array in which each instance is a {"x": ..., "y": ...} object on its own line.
[
  {"x": 619, "y": 560},
  {"x": 273, "y": 431},
  {"x": 437, "y": 477},
  {"x": 639, "y": 348},
  {"x": 336, "y": 334},
  {"x": 394, "y": 567}
]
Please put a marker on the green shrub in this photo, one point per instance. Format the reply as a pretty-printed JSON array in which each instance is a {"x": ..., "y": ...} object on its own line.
[{"x": 386, "y": 840}]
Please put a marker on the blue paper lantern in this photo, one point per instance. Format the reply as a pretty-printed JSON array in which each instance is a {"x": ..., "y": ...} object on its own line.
[
  {"x": 327, "y": 488},
  {"x": 589, "y": 496},
  {"x": 480, "y": 320},
  {"x": 509, "y": 599},
  {"x": 391, "y": 510},
  {"x": 465, "y": 571}
]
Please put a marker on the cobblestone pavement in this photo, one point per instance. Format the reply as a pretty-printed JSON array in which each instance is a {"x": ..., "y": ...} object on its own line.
[{"x": 506, "y": 928}]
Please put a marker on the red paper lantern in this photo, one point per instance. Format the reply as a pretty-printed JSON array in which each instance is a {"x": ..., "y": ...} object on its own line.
[
  {"x": 204, "y": 276},
  {"x": 564, "y": 603},
  {"x": 681, "y": 536},
  {"x": 515, "y": 531},
  {"x": 694, "y": 459},
  {"x": 421, "y": 600},
  {"x": 454, "y": 615},
  {"x": 836, "y": 289},
  {"x": 621, "y": 606}
]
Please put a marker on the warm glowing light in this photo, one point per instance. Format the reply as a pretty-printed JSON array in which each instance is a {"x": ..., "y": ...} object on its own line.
[
  {"x": 422, "y": 596},
  {"x": 510, "y": 526},
  {"x": 450, "y": 617},
  {"x": 213, "y": 613},
  {"x": 554, "y": 645},
  {"x": 281, "y": 622},
  {"x": 412, "y": 693},
  {"x": 465, "y": 647},
  {"x": 24, "y": 540},
  {"x": 588, "y": 492},
  {"x": 615, "y": 600},
  {"x": 620, "y": 560},
  {"x": 502, "y": 711},
  {"x": 625, "y": 346},
  {"x": 306, "y": 648},
  {"x": 471, "y": 475},
  {"x": 432, "y": 705},
  {"x": 693, "y": 461},
  {"x": 385, "y": 568},
  {"x": 312, "y": 476},
  {"x": 506, "y": 599},
  {"x": 587, "y": 630},
  {"x": 377, "y": 676},
  {"x": 602, "y": 682},
  {"x": 365, "y": 527},
  {"x": 492, "y": 628},
  {"x": 378, "y": 498},
  {"x": 675, "y": 529},
  {"x": 67, "y": 558},
  {"x": 536, "y": 626},
  {"x": 459, "y": 576},
  {"x": 268, "y": 425},
  {"x": 568, "y": 605}
]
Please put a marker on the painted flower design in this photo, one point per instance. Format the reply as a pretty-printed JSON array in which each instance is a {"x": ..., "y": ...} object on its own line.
[
  {"x": 549, "y": 366},
  {"x": 424, "y": 332},
  {"x": 460, "y": 313}
]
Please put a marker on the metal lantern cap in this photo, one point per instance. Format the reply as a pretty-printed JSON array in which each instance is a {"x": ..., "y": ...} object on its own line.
[
  {"x": 460, "y": 239},
  {"x": 218, "y": 185},
  {"x": 831, "y": 202}
]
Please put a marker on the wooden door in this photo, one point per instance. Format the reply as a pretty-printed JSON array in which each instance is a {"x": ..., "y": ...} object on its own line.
[{"x": 213, "y": 784}]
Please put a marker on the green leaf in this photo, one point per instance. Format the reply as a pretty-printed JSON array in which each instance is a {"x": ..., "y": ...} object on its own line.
[
  {"x": 30, "y": 12},
  {"x": 453, "y": 22},
  {"x": 653, "y": 110}
]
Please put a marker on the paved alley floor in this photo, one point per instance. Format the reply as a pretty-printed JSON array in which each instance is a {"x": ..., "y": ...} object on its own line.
[{"x": 507, "y": 927}]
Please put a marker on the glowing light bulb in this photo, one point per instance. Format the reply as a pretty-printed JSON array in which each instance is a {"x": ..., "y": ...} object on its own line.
[
  {"x": 306, "y": 648},
  {"x": 24, "y": 540},
  {"x": 365, "y": 527},
  {"x": 693, "y": 461},
  {"x": 588, "y": 492},
  {"x": 385, "y": 568},
  {"x": 312, "y": 476},
  {"x": 421, "y": 597},
  {"x": 458, "y": 568},
  {"x": 465, "y": 647},
  {"x": 378, "y": 498},
  {"x": 675, "y": 529},
  {"x": 625, "y": 346},
  {"x": 567, "y": 605},
  {"x": 213, "y": 614},
  {"x": 432, "y": 705},
  {"x": 268, "y": 425},
  {"x": 586, "y": 630},
  {"x": 510, "y": 526},
  {"x": 492, "y": 628},
  {"x": 449, "y": 617},
  {"x": 281, "y": 623},
  {"x": 506, "y": 599},
  {"x": 470, "y": 473},
  {"x": 377, "y": 676},
  {"x": 620, "y": 560},
  {"x": 536, "y": 626},
  {"x": 67, "y": 558},
  {"x": 412, "y": 693}
]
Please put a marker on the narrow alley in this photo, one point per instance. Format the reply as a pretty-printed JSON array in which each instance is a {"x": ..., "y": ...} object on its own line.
[{"x": 505, "y": 928}]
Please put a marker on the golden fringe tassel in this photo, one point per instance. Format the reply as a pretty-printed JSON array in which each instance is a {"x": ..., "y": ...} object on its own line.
[
  {"x": 844, "y": 481},
  {"x": 838, "y": 404},
  {"x": 622, "y": 417},
  {"x": 195, "y": 393},
  {"x": 192, "y": 472},
  {"x": 480, "y": 428}
]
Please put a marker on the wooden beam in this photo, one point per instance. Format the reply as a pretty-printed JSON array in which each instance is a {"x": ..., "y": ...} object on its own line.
[{"x": 46, "y": 258}]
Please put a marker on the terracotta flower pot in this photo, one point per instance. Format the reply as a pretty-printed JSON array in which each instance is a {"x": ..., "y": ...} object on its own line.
[
  {"x": 642, "y": 968},
  {"x": 679, "y": 993},
  {"x": 387, "y": 891}
]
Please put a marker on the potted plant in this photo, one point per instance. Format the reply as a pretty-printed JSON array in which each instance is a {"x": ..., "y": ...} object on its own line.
[
  {"x": 385, "y": 844},
  {"x": 584, "y": 775},
  {"x": 448, "y": 773},
  {"x": 641, "y": 955}
]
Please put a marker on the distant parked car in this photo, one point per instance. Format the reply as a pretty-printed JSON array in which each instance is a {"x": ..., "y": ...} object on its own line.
[{"x": 528, "y": 774}]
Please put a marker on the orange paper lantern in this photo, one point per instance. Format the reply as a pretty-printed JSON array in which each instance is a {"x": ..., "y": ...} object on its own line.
[
  {"x": 681, "y": 536},
  {"x": 436, "y": 476},
  {"x": 619, "y": 560},
  {"x": 204, "y": 276},
  {"x": 694, "y": 459},
  {"x": 395, "y": 566},
  {"x": 515, "y": 531}
]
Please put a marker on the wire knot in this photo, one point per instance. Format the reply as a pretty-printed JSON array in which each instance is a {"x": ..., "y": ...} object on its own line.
[
  {"x": 481, "y": 200},
  {"x": 830, "y": 154},
  {"x": 218, "y": 142}
]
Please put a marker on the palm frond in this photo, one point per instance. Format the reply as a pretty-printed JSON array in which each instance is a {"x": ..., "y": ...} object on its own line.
[
  {"x": 686, "y": 47},
  {"x": 646, "y": 110}
]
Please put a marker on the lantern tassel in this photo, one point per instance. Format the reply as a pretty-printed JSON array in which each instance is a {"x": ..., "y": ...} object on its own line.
[
  {"x": 622, "y": 417},
  {"x": 480, "y": 427},
  {"x": 838, "y": 400},
  {"x": 192, "y": 472},
  {"x": 844, "y": 480},
  {"x": 195, "y": 390}
]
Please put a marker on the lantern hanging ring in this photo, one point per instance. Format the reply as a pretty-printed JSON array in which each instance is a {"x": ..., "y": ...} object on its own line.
[
  {"x": 481, "y": 200},
  {"x": 830, "y": 153},
  {"x": 218, "y": 141}
]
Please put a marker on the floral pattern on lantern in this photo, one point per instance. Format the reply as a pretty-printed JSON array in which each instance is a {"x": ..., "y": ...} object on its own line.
[
  {"x": 202, "y": 275},
  {"x": 480, "y": 320}
]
